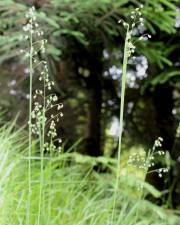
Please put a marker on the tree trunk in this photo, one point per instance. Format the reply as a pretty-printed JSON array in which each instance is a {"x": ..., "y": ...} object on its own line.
[
  {"x": 94, "y": 93},
  {"x": 93, "y": 136}
]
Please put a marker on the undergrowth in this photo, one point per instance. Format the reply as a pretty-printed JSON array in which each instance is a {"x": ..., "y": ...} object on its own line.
[{"x": 74, "y": 195}]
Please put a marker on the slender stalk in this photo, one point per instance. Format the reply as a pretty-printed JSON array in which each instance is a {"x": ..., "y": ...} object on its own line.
[
  {"x": 30, "y": 126},
  {"x": 42, "y": 142},
  {"x": 50, "y": 184},
  {"x": 123, "y": 87},
  {"x": 40, "y": 187}
]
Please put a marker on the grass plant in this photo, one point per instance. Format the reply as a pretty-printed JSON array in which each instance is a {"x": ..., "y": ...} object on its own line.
[
  {"x": 123, "y": 88},
  {"x": 129, "y": 49},
  {"x": 30, "y": 123},
  {"x": 64, "y": 189},
  {"x": 40, "y": 104}
]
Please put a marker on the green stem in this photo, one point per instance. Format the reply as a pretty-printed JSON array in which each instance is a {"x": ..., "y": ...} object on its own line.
[
  {"x": 42, "y": 142},
  {"x": 50, "y": 184},
  {"x": 30, "y": 127},
  {"x": 123, "y": 87}
]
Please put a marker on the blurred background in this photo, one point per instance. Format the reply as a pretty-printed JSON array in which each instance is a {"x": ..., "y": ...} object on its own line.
[{"x": 85, "y": 54}]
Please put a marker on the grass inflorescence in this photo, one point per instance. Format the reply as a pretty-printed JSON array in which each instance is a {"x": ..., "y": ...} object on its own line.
[{"x": 40, "y": 104}]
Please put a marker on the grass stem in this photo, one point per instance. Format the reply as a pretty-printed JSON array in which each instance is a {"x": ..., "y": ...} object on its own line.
[
  {"x": 123, "y": 88},
  {"x": 30, "y": 127}
]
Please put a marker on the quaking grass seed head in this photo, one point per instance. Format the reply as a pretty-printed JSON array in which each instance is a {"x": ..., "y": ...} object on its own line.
[
  {"x": 45, "y": 102},
  {"x": 136, "y": 20},
  {"x": 147, "y": 162}
]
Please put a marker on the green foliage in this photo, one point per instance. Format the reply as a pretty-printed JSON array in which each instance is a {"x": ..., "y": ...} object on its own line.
[
  {"x": 82, "y": 20},
  {"x": 155, "y": 54},
  {"x": 165, "y": 77},
  {"x": 73, "y": 192},
  {"x": 67, "y": 22},
  {"x": 160, "y": 14}
]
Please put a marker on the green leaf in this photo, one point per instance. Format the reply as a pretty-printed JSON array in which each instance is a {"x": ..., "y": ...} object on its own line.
[
  {"x": 165, "y": 77},
  {"x": 49, "y": 20},
  {"x": 168, "y": 4},
  {"x": 53, "y": 50},
  {"x": 76, "y": 34}
]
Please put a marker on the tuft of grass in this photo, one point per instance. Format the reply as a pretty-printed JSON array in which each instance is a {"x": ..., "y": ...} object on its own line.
[{"x": 75, "y": 193}]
